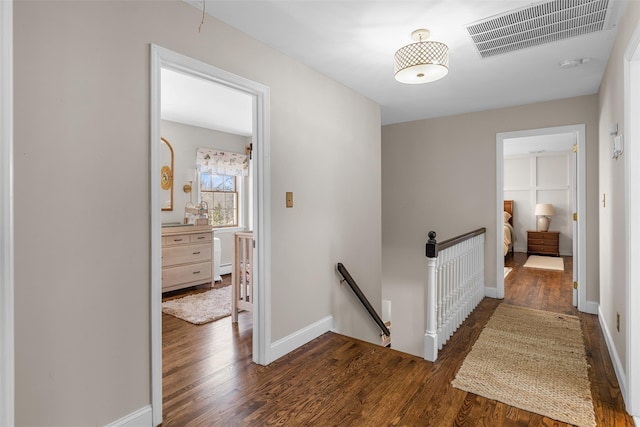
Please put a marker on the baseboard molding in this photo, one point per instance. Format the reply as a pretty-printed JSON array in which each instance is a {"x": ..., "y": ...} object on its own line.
[
  {"x": 615, "y": 359},
  {"x": 636, "y": 420},
  {"x": 140, "y": 418},
  {"x": 225, "y": 268},
  {"x": 592, "y": 307},
  {"x": 490, "y": 292},
  {"x": 291, "y": 342}
]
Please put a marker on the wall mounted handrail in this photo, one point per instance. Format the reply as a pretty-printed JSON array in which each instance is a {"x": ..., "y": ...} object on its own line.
[{"x": 363, "y": 299}]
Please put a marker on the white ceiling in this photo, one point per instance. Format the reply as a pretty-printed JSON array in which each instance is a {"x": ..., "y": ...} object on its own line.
[
  {"x": 353, "y": 42},
  {"x": 198, "y": 102}
]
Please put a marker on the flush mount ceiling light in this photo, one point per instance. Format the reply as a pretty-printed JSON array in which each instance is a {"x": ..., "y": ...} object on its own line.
[{"x": 421, "y": 62}]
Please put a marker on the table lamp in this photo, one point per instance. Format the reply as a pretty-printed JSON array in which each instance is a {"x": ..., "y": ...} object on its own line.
[{"x": 543, "y": 212}]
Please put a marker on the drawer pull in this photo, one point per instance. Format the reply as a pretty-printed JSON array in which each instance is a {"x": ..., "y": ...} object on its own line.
[
  {"x": 200, "y": 237},
  {"x": 196, "y": 272},
  {"x": 196, "y": 253},
  {"x": 177, "y": 240}
]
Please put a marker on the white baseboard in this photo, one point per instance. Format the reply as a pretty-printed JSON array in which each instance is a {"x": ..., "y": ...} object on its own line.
[
  {"x": 592, "y": 307},
  {"x": 615, "y": 359},
  {"x": 225, "y": 268},
  {"x": 636, "y": 420},
  {"x": 140, "y": 418},
  {"x": 292, "y": 341},
  {"x": 490, "y": 292}
]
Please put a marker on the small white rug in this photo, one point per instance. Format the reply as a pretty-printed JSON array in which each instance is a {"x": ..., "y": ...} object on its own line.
[
  {"x": 201, "y": 308},
  {"x": 545, "y": 262},
  {"x": 507, "y": 270}
]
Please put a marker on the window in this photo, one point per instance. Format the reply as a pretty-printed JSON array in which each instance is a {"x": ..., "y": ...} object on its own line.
[{"x": 220, "y": 192}]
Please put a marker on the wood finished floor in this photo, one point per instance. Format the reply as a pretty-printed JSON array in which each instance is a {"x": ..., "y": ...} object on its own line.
[{"x": 210, "y": 380}]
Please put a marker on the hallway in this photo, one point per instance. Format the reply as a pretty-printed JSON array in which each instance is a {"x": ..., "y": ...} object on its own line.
[{"x": 209, "y": 378}]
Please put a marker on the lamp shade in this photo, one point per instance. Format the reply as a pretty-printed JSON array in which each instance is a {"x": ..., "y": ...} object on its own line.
[
  {"x": 544, "y": 209},
  {"x": 422, "y": 62}
]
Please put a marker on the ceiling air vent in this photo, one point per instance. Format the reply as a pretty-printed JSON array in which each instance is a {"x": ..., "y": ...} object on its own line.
[{"x": 541, "y": 23}]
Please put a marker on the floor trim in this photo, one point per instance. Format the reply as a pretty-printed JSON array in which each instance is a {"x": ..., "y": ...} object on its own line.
[
  {"x": 613, "y": 354},
  {"x": 140, "y": 418},
  {"x": 299, "y": 338}
]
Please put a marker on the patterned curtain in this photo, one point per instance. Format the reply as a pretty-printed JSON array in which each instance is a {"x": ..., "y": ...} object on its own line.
[{"x": 222, "y": 163}]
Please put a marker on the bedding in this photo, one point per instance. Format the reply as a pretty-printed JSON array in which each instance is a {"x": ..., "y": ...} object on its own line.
[
  {"x": 509, "y": 237},
  {"x": 509, "y": 233}
]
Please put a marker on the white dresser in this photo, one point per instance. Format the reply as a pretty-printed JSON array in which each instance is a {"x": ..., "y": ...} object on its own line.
[{"x": 187, "y": 256}]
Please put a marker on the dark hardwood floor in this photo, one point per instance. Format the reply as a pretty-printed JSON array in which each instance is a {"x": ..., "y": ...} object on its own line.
[{"x": 210, "y": 380}]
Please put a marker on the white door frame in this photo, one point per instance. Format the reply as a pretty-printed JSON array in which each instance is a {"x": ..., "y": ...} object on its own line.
[
  {"x": 164, "y": 58},
  {"x": 7, "y": 343},
  {"x": 632, "y": 181},
  {"x": 579, "y": 131}
]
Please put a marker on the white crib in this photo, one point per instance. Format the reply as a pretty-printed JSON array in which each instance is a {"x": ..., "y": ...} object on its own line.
[{"x": 242, "y": 274}]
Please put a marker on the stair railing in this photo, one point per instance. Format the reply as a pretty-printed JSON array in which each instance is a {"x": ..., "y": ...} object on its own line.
[
  {"x": 455, "y": 286},
  {"x": 363, "y": 299}
]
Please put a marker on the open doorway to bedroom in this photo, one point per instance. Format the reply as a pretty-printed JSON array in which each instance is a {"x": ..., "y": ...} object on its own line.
[
  {"x": 209, "y": 147},
  {"x": 539, "y": 193},
  {"x": 208, "y": 128}
]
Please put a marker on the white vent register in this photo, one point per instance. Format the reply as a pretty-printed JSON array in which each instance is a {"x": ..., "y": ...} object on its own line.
[{"x": 542, "y": 23}]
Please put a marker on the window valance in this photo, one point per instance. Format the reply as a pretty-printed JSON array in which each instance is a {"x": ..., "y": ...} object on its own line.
[{"x": 222, "y": 163}]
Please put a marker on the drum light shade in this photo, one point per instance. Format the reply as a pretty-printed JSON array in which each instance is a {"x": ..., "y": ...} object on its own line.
[{"x": 421, "y": 62}]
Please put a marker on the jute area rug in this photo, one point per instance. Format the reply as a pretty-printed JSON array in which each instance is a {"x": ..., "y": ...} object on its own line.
[
  {"x": 201, "y": 308},
  {"x": 545, "y": 262},
  {"x": 533, "y": 360}
]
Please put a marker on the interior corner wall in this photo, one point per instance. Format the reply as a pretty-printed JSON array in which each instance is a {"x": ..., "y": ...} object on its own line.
[
  {"x": 82, "y": 232},
  {"x": 440, "y": 174},
  {"x": 613, "y": 238}
]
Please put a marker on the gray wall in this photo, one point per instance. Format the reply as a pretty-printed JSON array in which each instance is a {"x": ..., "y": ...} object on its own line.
[
  {"x": 82, "y": 186},
  {"x": 440, "y": 174},
  {"x": 613, "y": 237}
]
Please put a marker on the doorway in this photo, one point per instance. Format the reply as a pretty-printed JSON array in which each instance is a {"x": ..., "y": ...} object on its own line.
[
  {"x": 577, "y": 134},
  {"x": 258, "y": 202}
]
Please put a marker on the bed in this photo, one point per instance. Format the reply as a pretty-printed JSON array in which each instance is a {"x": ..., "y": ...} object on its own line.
[{"x": 509, "y": 233}]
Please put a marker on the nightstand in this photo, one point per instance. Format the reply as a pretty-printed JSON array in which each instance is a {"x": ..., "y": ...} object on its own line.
[{"x": 543, "y": 242}]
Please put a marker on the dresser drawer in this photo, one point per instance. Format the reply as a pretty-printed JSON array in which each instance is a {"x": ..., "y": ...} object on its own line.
[
  {"x": 173, "y": 255},
  {"x": 178, "y": 239},
  {"x": 186, "y": 274},
  {"x": 200, "y": 237},
  {"x": 543, "y": 249},
  {"x": 546, "y": 236}
]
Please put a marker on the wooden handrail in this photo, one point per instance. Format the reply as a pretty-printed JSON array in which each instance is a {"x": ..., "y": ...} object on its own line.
[
  {"x": 363, "y": 299},
  {"x": 432, "y": 246}
]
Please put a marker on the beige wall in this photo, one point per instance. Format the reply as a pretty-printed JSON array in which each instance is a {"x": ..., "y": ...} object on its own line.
[
  {"x": 440, "y": 174},
  {"x": 82, "y": 197},
  {"x": 613, "y": 236}
]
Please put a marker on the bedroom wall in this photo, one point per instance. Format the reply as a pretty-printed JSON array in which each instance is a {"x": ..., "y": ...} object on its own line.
[
  {"x": 82, "y": 190},
  {"x": 540, "y": 178},
  {"x": 440, "y": 174},
  {"x": 186, "y": 140},
  {"x": 613, "y": 238}
]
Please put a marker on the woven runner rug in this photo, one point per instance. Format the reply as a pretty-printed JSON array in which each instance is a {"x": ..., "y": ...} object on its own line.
[
  {"x": 533, "y": 360},
  {"x": 201, "y": 308}
]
